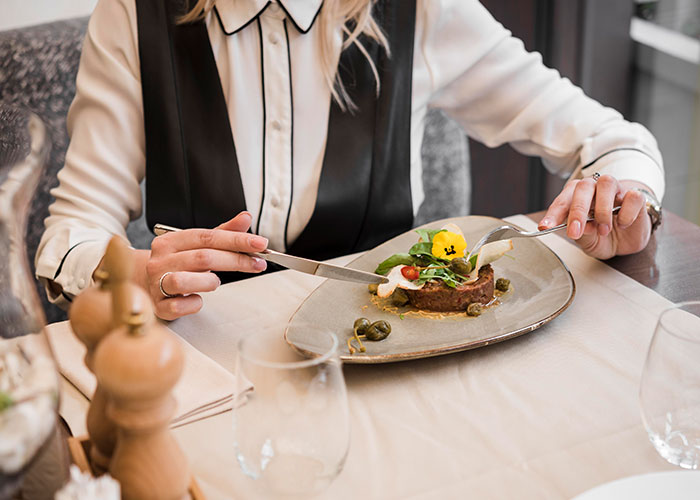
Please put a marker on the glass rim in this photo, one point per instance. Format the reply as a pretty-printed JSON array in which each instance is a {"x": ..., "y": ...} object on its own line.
[
  {"x": 675, "y": 307},
  {"x": 290, "y": 365}
]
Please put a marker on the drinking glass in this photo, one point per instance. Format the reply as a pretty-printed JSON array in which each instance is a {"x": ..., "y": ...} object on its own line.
[
  {"x": 670, "y": 388},
  {"x": 292, "y": 431},
  {"x": 29, "y": 443}
]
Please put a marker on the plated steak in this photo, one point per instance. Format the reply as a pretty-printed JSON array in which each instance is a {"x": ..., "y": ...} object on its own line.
[{"x": 437, "y": 296}]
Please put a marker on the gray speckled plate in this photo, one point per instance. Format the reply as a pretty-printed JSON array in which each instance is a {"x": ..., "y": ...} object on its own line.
[{"x": 542, "y": 287}]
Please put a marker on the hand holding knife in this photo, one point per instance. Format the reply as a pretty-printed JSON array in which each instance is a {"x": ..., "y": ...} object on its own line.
[{"x": 301, "y": 264}]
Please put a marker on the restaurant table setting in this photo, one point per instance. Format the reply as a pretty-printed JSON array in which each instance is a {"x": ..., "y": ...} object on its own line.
[{"x": 549, "y": 413}]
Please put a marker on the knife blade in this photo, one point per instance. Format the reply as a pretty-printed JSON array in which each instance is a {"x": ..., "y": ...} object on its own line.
[{"x": 301, "y": 264}]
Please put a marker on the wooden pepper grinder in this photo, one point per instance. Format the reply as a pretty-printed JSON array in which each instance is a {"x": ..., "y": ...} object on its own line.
[
  {"x": 91, "y": 320},
  {"x": 138, "y": 364}
]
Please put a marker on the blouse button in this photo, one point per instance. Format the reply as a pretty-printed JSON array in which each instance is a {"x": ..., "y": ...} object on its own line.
[
  {"x": 276, "y": 124},
  {"x": 274, "y": 8},
  {"x": 81, "y": 283},
  {"x": 275, "y": 201},
  {"x": 274, "y": 38}
]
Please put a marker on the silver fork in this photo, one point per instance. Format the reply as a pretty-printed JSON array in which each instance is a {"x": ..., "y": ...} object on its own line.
[{"x": 508, "y": 232}]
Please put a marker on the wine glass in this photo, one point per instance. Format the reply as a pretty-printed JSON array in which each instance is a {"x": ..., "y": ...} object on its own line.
[
  {"x": 670, "y": 389},
  {"x": 28, "y": 377},
  {"x": 292, "y": 430}
]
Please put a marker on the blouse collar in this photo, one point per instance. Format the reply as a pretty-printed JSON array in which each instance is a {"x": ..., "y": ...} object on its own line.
[{"x": 234, "y": 15}]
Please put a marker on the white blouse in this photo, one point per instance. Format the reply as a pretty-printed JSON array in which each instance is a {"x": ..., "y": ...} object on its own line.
[{"x": 465, "y": 63}]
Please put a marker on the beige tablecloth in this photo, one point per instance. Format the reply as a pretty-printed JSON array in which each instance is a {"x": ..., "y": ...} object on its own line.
[{"x": 547, "y": 415}]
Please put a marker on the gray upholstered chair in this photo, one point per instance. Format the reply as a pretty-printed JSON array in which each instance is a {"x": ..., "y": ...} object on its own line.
[{"x": 38, "y": 66}]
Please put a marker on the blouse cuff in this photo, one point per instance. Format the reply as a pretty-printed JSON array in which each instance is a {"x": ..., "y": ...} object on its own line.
[
  {"x": 74, "y": 272},
  {"x": 630, "y": 165}
]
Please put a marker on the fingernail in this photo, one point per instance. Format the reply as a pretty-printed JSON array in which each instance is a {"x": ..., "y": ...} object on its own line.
[
  {"x": 258, "y": 242},
  {"x": 575, "y": 229},
  {"x": 259, "y": 264},
  {"x": 217, "y": 277},
  {"x": 545, "y": 223},
  {"x": 603, "y": 229}
]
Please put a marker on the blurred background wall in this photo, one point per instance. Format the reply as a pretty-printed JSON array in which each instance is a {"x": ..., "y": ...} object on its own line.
[
  {"x": 666, "y": 96},
  {"x": 18, "y": 13},
  {"x": 639, "y": 57}
]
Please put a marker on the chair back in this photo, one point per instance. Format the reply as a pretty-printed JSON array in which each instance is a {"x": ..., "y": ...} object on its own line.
[{"x": 446, "y": 178}]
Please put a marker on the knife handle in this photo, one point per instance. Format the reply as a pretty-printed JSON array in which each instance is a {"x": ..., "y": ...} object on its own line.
[{"x": 160, "y": 229}]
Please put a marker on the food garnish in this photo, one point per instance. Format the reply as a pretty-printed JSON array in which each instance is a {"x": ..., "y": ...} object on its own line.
[
  {"x": 448, "y": 245},
  {"x": 474, "y": 309},
  {"x": 502, "y": 284},
  {"x": 439, "y": 255},
  {"x": 410, "y": 272},
  {"x": 363, "y": 329}
]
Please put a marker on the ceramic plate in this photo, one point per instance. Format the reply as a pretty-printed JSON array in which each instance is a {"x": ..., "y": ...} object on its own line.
[
  {"x": 678, "y": 485},
  {"x": 542, "y": 287}
]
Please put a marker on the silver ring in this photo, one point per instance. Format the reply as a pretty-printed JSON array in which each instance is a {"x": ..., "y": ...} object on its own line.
[
  {"x": 160, "y": 285},
  {"x": 595, "y": 176}
]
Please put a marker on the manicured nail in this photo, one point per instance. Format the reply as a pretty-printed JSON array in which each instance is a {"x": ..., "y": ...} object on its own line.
[
  {"x": 603, "y": 229},
  {"x": 575, "y": 229},
  {"x": 545, "y": 223},
  {"x": 259, "y": 264},
  {"x": 217, "y": 277},
  {"x": 258, "y": 242}
]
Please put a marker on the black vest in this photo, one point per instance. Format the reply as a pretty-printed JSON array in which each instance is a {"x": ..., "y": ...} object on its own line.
[{"x": 192, "y": 176}]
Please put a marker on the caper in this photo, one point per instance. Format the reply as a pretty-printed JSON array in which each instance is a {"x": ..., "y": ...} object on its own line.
[
  {"x": 474, "y": 309},
  {"x": 502, "y": 284},
  {"x": 372, "y": 287},
  {"x": 399, "y": 297},
  {"x": 360, "y": 326},
  {"x": 379, "y": 330},
  {"x": 460, "y": 265}
]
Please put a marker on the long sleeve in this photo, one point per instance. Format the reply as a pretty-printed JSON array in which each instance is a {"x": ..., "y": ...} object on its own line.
[
  {"x": 500, "y": 93},
  {"x": 98, "y": 191}
]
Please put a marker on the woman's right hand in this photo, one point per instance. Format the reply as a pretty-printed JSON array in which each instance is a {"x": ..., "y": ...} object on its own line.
[{"x": 185, "y": 261}]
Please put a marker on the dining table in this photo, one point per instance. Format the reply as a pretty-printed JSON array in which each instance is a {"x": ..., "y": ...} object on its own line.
[{"x": 549, "y": 414}]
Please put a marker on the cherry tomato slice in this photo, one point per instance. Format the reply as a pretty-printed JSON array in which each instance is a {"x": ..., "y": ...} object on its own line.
[{"x": 410, "y": 272}]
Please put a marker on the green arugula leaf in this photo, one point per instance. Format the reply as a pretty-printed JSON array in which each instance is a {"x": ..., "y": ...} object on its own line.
[
  {"x": 422, "y": 248},
  {"x": 427, "y": 235},
  {"x": 398, "y": 259},
  {"x": 450, "y": 283}
]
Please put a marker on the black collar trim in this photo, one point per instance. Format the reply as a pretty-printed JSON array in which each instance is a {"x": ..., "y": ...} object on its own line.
[
  {"x": 289, "y": 16},
  {"x": 254, "y": 18}
]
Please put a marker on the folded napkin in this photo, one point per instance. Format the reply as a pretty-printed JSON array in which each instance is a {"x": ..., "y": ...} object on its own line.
[{"x": 205, "y": 388}]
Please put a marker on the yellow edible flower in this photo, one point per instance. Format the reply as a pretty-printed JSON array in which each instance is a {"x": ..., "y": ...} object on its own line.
[{"x": 448, "y": 245}]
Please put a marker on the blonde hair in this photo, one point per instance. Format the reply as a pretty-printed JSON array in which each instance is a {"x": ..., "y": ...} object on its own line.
[{"x": 354, "y": 13}]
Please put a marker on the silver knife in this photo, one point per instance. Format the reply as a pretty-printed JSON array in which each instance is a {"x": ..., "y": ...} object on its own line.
[{"x": 307, "y": 266}]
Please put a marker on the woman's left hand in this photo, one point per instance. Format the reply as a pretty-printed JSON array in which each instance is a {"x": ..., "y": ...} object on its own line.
[{"x": 626, "y": 233}]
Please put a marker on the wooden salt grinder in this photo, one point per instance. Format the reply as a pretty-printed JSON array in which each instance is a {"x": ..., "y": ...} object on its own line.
[
  {"x": 138, "y": 364},
  {"x": 91, "y": 319}
]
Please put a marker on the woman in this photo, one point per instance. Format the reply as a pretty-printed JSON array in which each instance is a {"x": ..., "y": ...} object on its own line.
[{"x": 305, "y": 118}]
